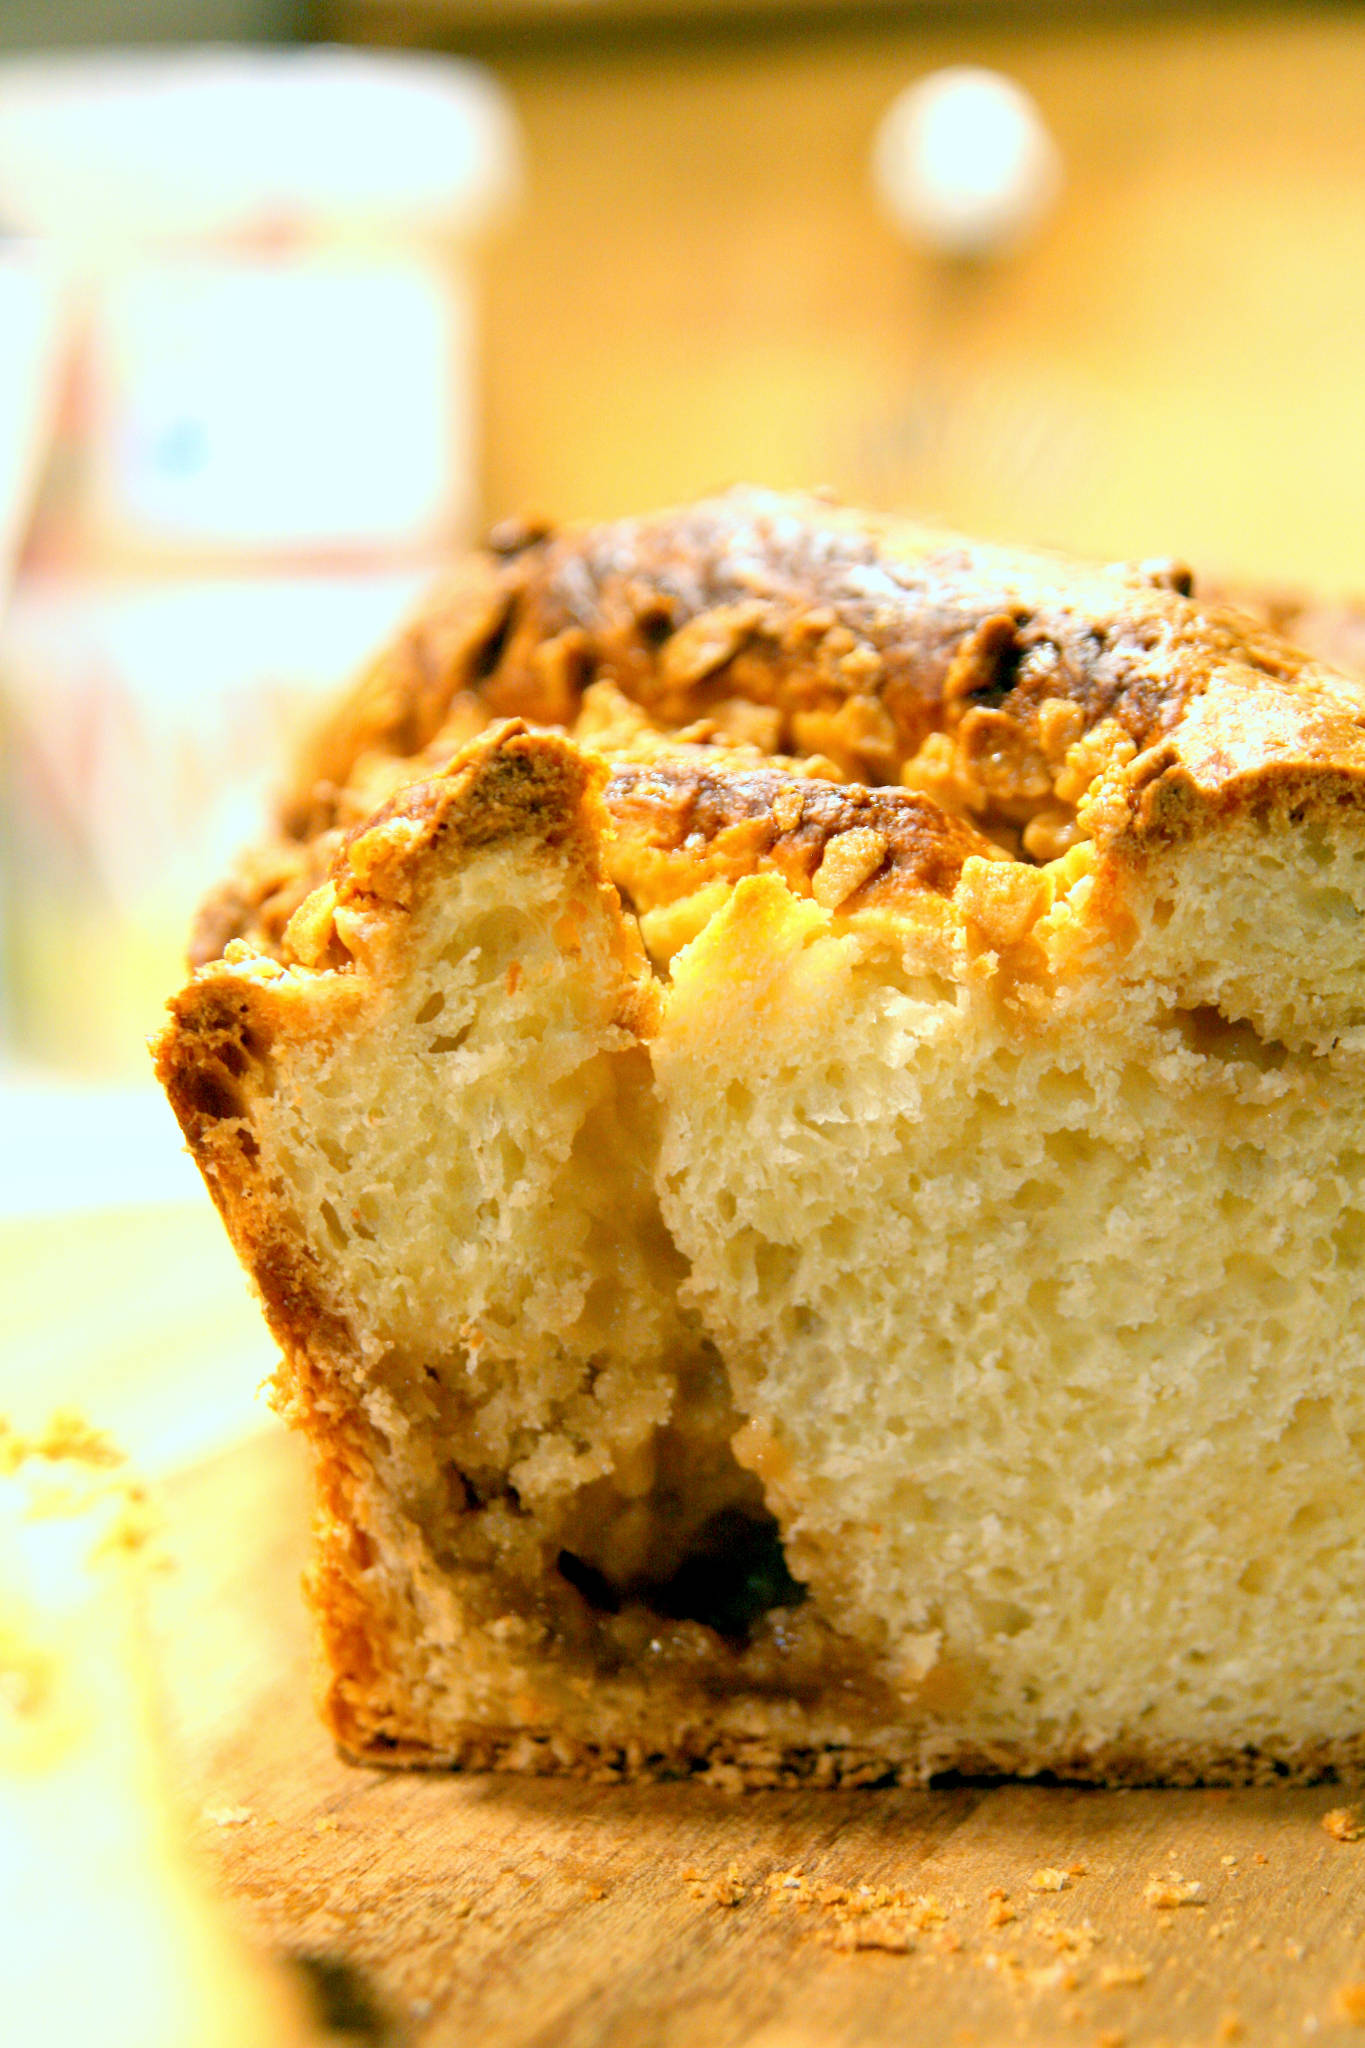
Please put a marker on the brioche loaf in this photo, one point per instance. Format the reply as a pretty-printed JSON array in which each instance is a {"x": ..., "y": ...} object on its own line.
[{"x": 792, "y": 1089}]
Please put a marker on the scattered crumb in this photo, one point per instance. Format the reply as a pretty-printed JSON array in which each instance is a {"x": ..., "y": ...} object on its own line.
[
  {"x": 1000, "y": 1912},
  {"x": 326, "y": 1824},
  {"x": 228, "y": 1816},
  {"x": 1110, "y": 2037},
  {"x": 67, "y": 1438},
  {"x": 595, "y": 1891},
  {"x": 1343, "y": 1824},
  {"x": 874, "y": 1930},
  {"x": 864, "y": 1915},
  {"x": 1165, "y": 1892},
  {"x": 1294, "y": 1950},
  {"x": 1048, "y": 1881},
  {"x": 1259, "y": 1858},
  {"x": 727, "y": 1889},
  {"x": 1078, "y": 1869},
  {"x": 1228, "y": 1862},
  {"x": 1051, "y": 1977},
  {"x": 1122, "y": 1976},
  {"x": 1075, "y": 1938},
  {"x": 1349, "y": 2004},
  {"x": 1230, "y": 2028}
]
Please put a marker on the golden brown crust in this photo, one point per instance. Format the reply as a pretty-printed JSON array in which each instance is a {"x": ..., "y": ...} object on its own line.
[
  {"x": 1034, "y": 700},
  {"x": 1281, "y": 750},
  {"x": 685, "y": 819},
  {"x": 809, "y": 608}
]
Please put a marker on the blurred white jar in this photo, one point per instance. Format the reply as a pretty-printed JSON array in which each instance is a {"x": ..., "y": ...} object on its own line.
[
  {"x": 271, "y": 253},
  {"x": 269, "y": 437}
]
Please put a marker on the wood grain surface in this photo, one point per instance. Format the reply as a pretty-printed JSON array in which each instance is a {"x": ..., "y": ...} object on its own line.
[{"x": 443, "y": 1910}]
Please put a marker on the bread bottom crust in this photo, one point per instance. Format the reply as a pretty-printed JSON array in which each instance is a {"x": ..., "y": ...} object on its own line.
[
  {"x": 752, "y": 1764},
  {"x": 389, "y": 1693}
]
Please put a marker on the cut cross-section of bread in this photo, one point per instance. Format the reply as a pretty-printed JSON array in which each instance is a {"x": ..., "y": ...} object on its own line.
[{"x": 792, "y": 1088}]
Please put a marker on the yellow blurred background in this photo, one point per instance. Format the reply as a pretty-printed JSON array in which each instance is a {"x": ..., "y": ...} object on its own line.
[{"x": 700, "y": 285}]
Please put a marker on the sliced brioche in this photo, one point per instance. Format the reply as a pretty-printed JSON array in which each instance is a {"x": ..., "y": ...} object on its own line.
[{"x": 792, "y": 1088}]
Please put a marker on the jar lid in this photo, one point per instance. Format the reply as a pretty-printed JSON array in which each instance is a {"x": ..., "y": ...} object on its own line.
[{"x": 220, "y": 141}]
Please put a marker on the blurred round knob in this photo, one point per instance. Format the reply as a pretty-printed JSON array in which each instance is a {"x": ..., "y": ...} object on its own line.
[{"x": 964, "y": 163}]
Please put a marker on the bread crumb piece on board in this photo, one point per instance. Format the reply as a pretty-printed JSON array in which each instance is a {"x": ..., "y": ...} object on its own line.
[
  {"x": 1342, "y": 1823},
  {"x": 1076, "y": 1938},
  {"x": 1349, "y": 2003},
  {"x": 875, "y": 1930},
  {"x": 1051, "y": 1977},
  {"x": 723, "y": 1888},
  {"x": 1048, "y": 1881},
  {"x": 1122, "y": 1976},
  {"x": 1174, "y": 1891}
]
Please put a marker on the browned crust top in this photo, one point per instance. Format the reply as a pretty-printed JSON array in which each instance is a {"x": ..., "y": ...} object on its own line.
[
  {"x": 784, "y": 638},
  {"x": 685, "y": 819},
  {"x": 804, "y": 606}
]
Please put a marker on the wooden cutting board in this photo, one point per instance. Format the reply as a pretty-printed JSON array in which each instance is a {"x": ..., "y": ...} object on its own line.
[{"x": 497, "y": 1911}]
